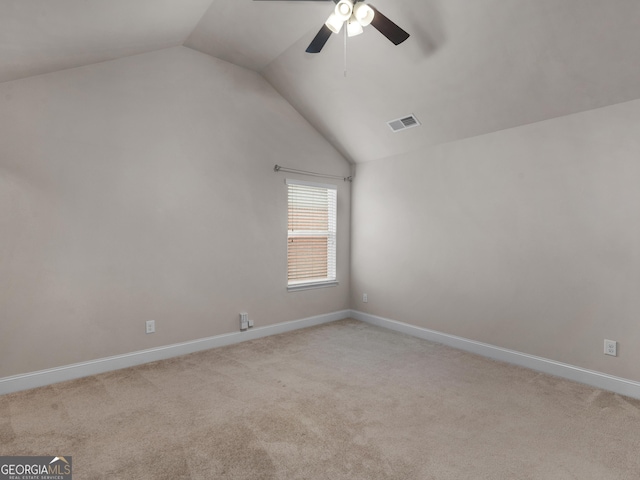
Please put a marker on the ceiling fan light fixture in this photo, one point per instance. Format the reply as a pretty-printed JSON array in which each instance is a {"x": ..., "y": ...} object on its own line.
[
  {"x": 334, "y": 23},
  {"x": 353, "y": 27},
  {"x": 357, "y": 15},
  {"x": 363, "y": 13}
]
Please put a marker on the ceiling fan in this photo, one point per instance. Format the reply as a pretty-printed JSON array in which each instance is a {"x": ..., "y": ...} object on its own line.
[{"x": 355, "y": 14}]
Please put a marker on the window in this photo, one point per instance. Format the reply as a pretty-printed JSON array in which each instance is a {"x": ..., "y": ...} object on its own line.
[{"x": 311, "y": 239}]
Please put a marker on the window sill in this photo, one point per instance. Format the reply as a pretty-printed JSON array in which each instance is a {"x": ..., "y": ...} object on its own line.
[{"x": 309, "y": 286}]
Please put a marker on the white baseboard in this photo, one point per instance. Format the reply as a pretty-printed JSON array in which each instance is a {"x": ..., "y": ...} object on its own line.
[
  {"x": 69, "y": 372},
  {"x": 604, "y": 381}
]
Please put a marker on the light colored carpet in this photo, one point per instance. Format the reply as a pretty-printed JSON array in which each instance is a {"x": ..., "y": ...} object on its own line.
[{"x": 344, "y": 400}]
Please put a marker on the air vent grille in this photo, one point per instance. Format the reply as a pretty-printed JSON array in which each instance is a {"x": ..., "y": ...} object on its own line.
[{"x": 403, "y": 123}]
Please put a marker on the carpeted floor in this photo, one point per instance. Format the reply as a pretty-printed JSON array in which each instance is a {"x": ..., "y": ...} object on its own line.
[{"x": 344, "y": 400}]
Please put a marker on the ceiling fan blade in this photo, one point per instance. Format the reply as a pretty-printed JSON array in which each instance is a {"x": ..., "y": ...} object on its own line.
[
  {"x": 319, "y": 40},
  {"x": 387, "y": 28}
]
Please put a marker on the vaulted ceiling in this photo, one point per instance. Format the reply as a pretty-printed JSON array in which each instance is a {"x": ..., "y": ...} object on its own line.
[{"x": 469, "y": 67}]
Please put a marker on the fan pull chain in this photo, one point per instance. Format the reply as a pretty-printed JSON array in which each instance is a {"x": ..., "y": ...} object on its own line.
[{"x": 345, "y": 49}]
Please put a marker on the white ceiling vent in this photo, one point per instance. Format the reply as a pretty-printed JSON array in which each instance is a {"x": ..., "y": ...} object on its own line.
[{"x": 403, "y": 123}]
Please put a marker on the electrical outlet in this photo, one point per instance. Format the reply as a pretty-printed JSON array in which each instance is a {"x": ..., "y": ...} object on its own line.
[
  {"x": 150, "y": 326},
  {"x": 365, "y": 298},
  {"x": 250, "y": 323},
  {"x": 244, "y": 321},
  {"x": 611, "y": 348}
]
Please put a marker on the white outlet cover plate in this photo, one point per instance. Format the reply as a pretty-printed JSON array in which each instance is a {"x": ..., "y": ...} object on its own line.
[{"x": 611, "y": 347}]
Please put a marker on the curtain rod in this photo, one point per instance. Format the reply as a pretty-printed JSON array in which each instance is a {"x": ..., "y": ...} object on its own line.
[{"x": 278, "y": 168}]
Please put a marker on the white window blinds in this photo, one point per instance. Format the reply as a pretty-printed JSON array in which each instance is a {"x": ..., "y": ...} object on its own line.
[{"x": 311, "y": 242}]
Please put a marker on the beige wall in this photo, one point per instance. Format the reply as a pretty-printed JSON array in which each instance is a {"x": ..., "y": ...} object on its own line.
[
  {"x": 528, "y": 238},
  {"x": 142, "y": 189}
]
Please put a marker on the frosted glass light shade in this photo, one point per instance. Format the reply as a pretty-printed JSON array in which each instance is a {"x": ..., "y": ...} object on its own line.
[
  {"x": 363, "y": 13},
  {"x": 353, "y": 27},
  {"x": 344, "y": 9},
  {"x": 334, "y": 23}
]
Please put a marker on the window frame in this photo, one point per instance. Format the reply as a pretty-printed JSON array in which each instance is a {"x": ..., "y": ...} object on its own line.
[{"x": 331, "y": 233}]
